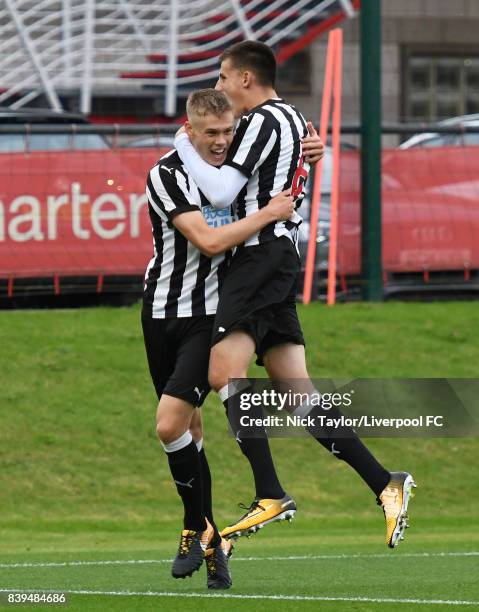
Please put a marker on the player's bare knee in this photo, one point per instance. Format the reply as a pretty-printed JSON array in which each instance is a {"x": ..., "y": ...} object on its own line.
[
  {"x": 218, "y": 373},
  {"x": 168, "y": 427},
  {"x": 169, "y": 431},
  {"x": 225, "y": 363},
  {"x": 217, "y": 378},
  {"x": 215, "y": 371},
  {"x": 173, "y": 418},
  {"x": 196, "y": 432}
]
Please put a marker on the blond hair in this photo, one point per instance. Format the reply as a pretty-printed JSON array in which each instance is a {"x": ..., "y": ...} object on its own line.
[{"x": 207, "y": 102}]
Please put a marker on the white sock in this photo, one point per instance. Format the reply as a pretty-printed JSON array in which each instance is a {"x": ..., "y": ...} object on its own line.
[{"x": 178, "y": 444}]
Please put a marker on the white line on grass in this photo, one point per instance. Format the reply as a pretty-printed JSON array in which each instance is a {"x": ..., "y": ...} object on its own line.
[
  {"x": 73, "y": 563},
  {"x": 448, "y": 602},
  {"x": 289, "y": 558}
]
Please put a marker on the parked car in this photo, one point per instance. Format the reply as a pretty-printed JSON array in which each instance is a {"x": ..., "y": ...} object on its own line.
[
  {"x": 322, "y": 232},
  {"x": 18, "y": 143},
  {"x": 435, "y": 139}
]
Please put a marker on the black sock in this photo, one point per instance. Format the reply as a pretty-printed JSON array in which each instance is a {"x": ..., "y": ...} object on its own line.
[
  {"x": 353, "y": 451},
  {"x": 186, "y": 471},
  {"x": 350, "y": 449},
  {"x": 207, "y": 498},
  {"x": 256, "y": 450},
  {"x": 266, "y": 481}
]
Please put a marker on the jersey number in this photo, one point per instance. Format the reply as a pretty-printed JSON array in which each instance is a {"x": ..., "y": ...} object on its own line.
[{"x": 299, "y": 179}]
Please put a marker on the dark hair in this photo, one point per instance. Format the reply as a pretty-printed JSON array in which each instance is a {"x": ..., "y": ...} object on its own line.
[
  {"x": 207, "y": 101},
  {"x": 254, "y": 56}
]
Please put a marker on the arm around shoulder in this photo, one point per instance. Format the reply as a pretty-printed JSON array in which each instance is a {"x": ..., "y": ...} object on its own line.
[{"x": 220, "y": 185}]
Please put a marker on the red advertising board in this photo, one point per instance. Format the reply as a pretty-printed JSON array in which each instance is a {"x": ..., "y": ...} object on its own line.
[
  {"x": 75, "y": 213},
  {"x": 80, "y": 213}
]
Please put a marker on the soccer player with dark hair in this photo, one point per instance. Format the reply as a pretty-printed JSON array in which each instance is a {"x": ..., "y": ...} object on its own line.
[
  {"x": 182, "y": 282},
  {"x": 257, "y": 310}
]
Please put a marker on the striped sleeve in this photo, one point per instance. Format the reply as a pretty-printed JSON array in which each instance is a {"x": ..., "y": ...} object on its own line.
[
  {"x": 253, "y": 142},
  {"x": 168, "y": 192}
]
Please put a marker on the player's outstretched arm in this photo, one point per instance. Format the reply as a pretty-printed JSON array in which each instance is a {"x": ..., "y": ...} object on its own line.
[
  {"x": 215, "y": 240},
  {"x": 220, "y": 185},
  {"x": 313, "y": 146}
]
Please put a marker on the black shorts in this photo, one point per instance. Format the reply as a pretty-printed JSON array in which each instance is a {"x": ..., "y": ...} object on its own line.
[
  {"x": 258, "y": 296},
  {"x": 178, "y": 352}
]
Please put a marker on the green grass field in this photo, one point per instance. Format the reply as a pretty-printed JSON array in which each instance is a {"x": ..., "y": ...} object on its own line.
[{"x": 87, "y": 505}]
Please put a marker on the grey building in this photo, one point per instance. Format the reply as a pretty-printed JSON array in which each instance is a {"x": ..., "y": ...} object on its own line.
[
  {"x": 430, "y": 55},
  {"x": 430, "y": 63}
]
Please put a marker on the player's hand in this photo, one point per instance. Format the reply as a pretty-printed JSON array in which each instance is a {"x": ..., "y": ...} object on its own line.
[
  {"x": 313, "y": 147},
  {"x": 281, "y": 206}
]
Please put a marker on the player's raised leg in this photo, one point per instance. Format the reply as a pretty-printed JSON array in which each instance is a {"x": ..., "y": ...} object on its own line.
[
  {"x": 230, "y": 359},
  {"x": 392, "y": 489}
]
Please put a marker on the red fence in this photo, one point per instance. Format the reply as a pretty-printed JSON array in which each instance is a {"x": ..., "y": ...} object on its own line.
[{"x": 84, "y": 213}]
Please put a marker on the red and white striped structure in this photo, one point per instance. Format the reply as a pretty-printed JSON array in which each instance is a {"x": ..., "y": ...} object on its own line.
[{"x": 64, "y": 47}]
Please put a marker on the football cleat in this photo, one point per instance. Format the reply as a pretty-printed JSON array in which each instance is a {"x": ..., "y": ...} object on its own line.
[
  {"x": 216, "y": 559},
  {"x": 394, "y": 501},
  {"x": 260, "y": 513},
  {"x": 207, "y": 535},
  {"x": 191, "y": 552}
]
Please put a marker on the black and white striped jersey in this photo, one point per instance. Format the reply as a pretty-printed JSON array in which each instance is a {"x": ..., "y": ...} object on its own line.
[
  {"x": 180, "y": 281},
  {"x": 267, "y": 149}
]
